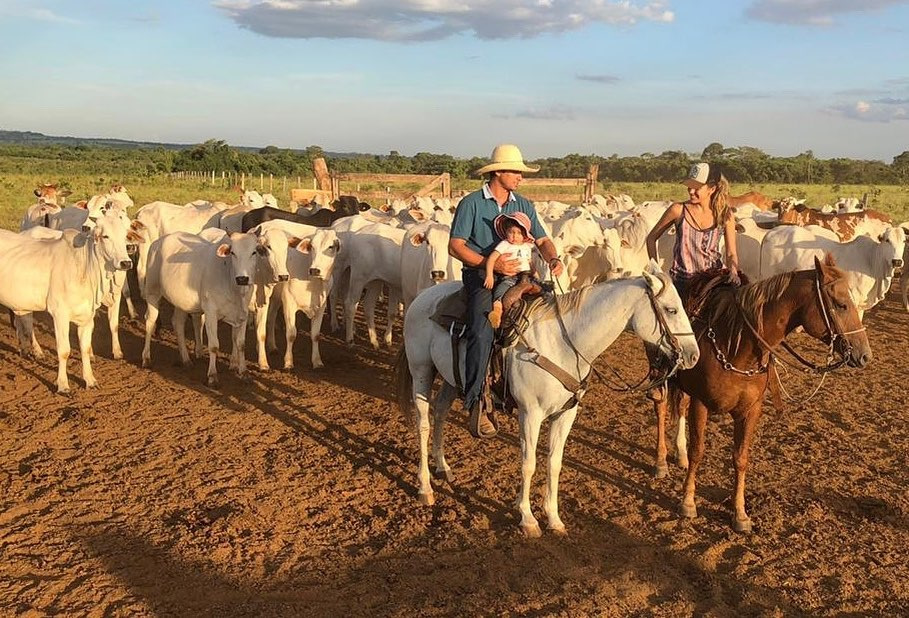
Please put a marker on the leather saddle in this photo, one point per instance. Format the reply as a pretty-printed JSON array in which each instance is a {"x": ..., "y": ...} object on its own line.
[{"x": 518, "y": 303}]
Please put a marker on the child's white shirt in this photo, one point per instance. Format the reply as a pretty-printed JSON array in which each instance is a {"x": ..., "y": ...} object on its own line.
[{"x": 519, "y": 252}]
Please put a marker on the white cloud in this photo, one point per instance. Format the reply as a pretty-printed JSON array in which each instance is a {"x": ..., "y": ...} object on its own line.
[
  {"x": 869, "y": 112},
  {"x": 427, "y": 20},
  {"x": 26, "y": 10},
  {"x": 812, "y": 12}
]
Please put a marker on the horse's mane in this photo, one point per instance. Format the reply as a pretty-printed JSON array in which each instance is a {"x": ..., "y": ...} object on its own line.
[
  {"x": 568, "y": 302},
  {"x": 725, "y": 307}
]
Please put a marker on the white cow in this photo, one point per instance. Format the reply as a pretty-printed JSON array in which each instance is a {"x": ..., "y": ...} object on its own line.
[
  {"x": 869, "y": 263},
  {"x": 604, "y": 205},
  {"x": 373, "y": 254},
  {"x": 162, "y": 218},
  {"x": 66, "y": 277},
  {"x": 577, "y": 226},
  {"x": 633, "y": 230},
  {"x": 596, "y": 263},
  {"x": 311, "y": 269},
  {"x": 50, "y": 201},
  {"x": 276, "y": 237},
  {"x": 424, "y": 259},
  {"x": 115, "y": 281},
  {"x": 849, "y": 204},
  {"x": 85, "y": 212},
  {"x": 198, "y": 276}
]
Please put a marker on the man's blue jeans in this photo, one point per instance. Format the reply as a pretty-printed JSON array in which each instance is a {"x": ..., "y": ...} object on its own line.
[{"x": 480, "y": 334}]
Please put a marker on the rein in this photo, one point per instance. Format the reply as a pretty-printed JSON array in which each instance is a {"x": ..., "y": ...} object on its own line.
[
  {"x": 578, "y": 386},
  {"x": 834, "y": 331}
]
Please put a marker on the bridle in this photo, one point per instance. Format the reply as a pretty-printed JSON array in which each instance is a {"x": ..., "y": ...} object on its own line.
[
  {"x": 670, "y": 338},
  {"x": 835, "y": 332}
]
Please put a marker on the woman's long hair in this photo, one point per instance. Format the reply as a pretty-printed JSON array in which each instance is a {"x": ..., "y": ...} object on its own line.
[{"x": 719, "y": 201}]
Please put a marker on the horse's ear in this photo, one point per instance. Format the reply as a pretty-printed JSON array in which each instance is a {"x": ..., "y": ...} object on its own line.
[
  {"x": 822, "y": 268},
  {"x": 652, "y": 281}
]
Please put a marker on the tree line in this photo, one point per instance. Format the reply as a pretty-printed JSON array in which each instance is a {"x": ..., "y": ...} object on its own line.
[{"x": 744, "y": 164}]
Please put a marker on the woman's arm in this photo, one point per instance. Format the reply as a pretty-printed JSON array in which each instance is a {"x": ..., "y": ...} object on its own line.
[{"x": 668, "y": 219}]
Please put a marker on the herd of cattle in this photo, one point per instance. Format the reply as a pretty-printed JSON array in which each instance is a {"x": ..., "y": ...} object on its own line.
[{"x": 215, "y": 261}]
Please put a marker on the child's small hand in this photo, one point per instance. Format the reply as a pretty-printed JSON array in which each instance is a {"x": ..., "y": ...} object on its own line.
[{"x": 488, "y": 283}]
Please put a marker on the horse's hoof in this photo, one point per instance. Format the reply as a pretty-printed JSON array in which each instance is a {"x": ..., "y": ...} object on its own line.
[
  {"x": 288, "y": 365},
  {"x": 92, "y": 384},
  {"x": 264, "y": 367},
  {"x": 531, "y": 531},
  {"x": 559, "y": 530},
  {"x": 213, "y": 381},
  {"x": 444, "y": 474},
  {"x": 741, "y": 525},
  {"x": 683, "y": 463},
  {"x": 318, "y": 366},
  {"x": 146, "y": 363},
  {"x": 661, "y": 471},
  {"x": 688, "y": 512},
  {"x": 426, "y": 499}
]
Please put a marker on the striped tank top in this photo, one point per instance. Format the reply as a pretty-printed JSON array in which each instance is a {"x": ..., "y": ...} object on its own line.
[{"x": 696, "y": 249}]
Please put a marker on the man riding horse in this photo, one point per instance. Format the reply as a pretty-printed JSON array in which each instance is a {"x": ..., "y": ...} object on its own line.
[{"x": 473, "y": 238}]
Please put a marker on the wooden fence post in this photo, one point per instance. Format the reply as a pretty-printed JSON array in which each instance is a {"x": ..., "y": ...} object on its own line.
[
  {"x": 321, "y": 174},
  {"x": 590, "y": 186}
]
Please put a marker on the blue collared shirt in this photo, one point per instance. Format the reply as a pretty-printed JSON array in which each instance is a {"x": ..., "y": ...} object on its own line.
[{"x": 476, "y": 212}]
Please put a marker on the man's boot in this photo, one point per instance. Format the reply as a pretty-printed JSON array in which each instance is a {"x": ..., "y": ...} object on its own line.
[{"x": 481, "y": 422}]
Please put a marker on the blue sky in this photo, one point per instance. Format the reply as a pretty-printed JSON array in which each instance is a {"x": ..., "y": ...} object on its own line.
[{"x": 459, "y": 76}]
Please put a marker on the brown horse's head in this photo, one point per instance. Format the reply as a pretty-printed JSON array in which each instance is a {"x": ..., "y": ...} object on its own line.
[{"x": 833, "y": 315}]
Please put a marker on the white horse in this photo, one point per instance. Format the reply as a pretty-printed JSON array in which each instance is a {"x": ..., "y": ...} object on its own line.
[{"x": 593, "y": 318}]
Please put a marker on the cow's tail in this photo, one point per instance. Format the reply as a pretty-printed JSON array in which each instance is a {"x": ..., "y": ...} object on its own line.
[{"x": 403, "y": 382}]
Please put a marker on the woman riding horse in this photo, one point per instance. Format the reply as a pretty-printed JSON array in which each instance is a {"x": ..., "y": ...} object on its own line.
[{"x": 739, "y": 331}]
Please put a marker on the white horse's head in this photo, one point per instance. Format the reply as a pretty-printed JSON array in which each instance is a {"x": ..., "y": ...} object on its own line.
[{"x": 664, "y": 324}]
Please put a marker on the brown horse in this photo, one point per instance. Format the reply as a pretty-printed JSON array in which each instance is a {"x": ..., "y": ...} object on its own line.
[{"x": 739, "y": 330}]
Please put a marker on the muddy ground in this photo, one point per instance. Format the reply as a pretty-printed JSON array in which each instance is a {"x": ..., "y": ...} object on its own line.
[{"x": 294, "y": 494}]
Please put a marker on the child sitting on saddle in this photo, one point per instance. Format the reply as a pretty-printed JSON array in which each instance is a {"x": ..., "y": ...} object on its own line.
[{"x": 517, "y": 244}]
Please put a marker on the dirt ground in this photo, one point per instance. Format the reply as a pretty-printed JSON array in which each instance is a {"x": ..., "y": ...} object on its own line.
[{"x": 294, "y": 494}]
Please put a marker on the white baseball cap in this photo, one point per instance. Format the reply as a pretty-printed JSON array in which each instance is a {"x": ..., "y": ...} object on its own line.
[{"x": 701, "y": 174}]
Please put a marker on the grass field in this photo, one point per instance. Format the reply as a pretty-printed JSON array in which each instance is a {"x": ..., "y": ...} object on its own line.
[{"x": 16, "y": 191}]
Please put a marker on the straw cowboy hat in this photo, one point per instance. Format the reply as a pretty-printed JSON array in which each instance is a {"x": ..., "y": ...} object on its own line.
[{"x": 506, "y": 157}]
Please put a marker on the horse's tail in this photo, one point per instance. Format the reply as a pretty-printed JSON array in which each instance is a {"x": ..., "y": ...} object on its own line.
[
  {"x": 403, "y": 382},
  {"x": 674, "y": 397}
]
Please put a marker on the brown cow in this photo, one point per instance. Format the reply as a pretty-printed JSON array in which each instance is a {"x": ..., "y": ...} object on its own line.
[
  {"x": 49, "y": 194},
  {"x": 761, "y": 201},
  {"x": 845, "y": 225}
]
